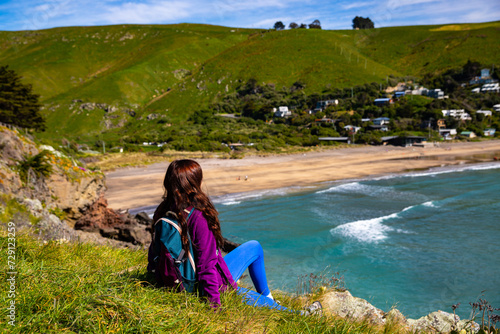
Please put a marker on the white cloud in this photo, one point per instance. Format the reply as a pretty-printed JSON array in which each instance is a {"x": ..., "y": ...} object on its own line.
[
  {"x": 437, "y": 12},
  {"x": 398, "y": 3},
  {"x": 352, "y": 5},
  {"x": 161, "y": 11}
]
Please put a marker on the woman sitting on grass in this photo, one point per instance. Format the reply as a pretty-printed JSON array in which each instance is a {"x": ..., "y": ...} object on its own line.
[{"x": 214, "y": 273}]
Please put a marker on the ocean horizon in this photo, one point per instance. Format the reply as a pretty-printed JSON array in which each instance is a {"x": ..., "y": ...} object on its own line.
[{"x": 419, "y": 241}]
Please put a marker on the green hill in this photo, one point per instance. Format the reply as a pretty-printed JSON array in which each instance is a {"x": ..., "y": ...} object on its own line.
[{"x": 173, "y": 70}]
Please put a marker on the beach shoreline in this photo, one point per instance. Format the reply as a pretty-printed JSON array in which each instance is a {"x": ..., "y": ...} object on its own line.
[{"x": 134, "y": 187}]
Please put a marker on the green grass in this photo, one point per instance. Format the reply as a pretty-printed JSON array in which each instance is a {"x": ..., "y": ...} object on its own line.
[{"x": 75, "y": 287}]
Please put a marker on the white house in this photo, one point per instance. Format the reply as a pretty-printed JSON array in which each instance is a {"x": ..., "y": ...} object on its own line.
[
  {"x": 282, "y": 112},
  {"x": 457, "y": 113},
  {"x": 417, "y": 91},
  {"x": 448, "y": 134},
  {"x": 491, "y": 87},
  {"x": 484, "y": 112},
  {"x": 496, "y": 107},
  {"x": 352, "y": 128}
]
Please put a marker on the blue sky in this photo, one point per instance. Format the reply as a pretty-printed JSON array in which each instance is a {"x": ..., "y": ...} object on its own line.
[{"x": 336, "y": 14}]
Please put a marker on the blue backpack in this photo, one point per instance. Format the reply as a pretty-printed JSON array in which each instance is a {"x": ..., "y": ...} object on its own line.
[{"x": 173, "y": 268}]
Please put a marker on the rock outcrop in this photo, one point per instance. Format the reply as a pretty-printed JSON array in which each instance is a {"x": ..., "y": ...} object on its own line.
[
  {"x": 342, "y": 304},
  {"x": 111, "y": 224},
  {"x": 441, "y": 322},
  {"x": 69, "y": 187}
]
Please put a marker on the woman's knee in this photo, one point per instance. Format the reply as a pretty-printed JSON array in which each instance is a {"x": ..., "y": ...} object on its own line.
[{"x": 254, "y": 246}]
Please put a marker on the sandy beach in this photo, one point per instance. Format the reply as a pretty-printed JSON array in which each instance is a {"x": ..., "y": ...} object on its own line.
[{"x": 142, "y": 186}]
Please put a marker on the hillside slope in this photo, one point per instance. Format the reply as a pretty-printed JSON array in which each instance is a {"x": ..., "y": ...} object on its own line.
[{"x": 132, "y": 73}]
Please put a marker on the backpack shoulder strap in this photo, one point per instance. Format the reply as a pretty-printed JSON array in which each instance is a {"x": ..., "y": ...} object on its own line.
[
  {"x": 175, "y": 225},
  {"x": 190, "y": 256}
]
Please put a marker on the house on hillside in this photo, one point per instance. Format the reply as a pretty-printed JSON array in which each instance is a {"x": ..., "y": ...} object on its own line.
[
  {"x": 282, "y": 112},
  {"x": 496, "y": 107},
  {"x": 448, "y": 134},
  {"x": 398, "y": 95},
  {"x": 352, "y": 128},
  {"x": 324, "y": 120},
  {"x": 490, "y": 88},
  {"x": 321, "y": 105},
  {"x": 468, "y": 134},
  {"x": 489, "y": 132},
  {"x": 484, "y": 112},
  {"x": 383, "y": 128},
  {"x": 383, "y": 101},
  {"x": 403, "y": 141},
  {"x": 381, "y": 121},
  {"x": 417, "y": 91},
  {"x": 485, "y": 78},
  {"x": 457, "y": 114},
  {"x": 339, "y": 139},
  {"x": 435, "y": 93}
]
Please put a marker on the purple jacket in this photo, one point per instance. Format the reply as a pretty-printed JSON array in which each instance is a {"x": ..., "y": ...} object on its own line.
[{"x": 212, "y": 273}]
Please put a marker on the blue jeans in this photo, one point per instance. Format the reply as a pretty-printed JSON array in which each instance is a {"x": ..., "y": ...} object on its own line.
[{"x": 250, "y": 255}]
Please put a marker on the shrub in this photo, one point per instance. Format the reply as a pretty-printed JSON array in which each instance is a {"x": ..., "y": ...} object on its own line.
[{"x": 36, "y": 164}]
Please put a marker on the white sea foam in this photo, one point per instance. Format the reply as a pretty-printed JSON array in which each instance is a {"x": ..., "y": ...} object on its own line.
[
  {"x": 230, "y": 202},
  {"x": 346, "y": 187},
  {"x": 233, "y": 199},
  {"x": 430, "y": 204},
  {"x": 369, "y": 230},
  {"x": 408, "y": 208},
  {"x": 443, "y": 170},
  {"x": 355, "y": 188}
]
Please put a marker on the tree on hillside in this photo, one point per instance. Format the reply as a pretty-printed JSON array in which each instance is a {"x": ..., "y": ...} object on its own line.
[
  {"x": 362, "y": 23},
  {"x": 293, "y": 25},
  {"x": 303, "y": 26},
  {"x": 18, "y": 104},
  {"x": 315, "y": 25},
  {"x": 297, "y": 85},
  {"x": 279, "y": 25},
  {"x": 471, "y": 69}
]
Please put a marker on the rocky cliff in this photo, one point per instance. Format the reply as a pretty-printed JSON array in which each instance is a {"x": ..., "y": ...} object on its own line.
[
  {"x": 55, "y": 196},
  {"x": 67, "y": 187},
  {"x": 46, "y": 192}
]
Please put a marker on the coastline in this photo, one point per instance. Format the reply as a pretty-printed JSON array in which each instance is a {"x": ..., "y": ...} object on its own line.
[{"x": 134, "y": 187}]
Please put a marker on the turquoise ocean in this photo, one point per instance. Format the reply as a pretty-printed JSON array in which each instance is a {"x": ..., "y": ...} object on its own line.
[{"x": 420, "y": 241}]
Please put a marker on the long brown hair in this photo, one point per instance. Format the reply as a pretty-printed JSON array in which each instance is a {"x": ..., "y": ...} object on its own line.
[{"x": 183, "y": 189}]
